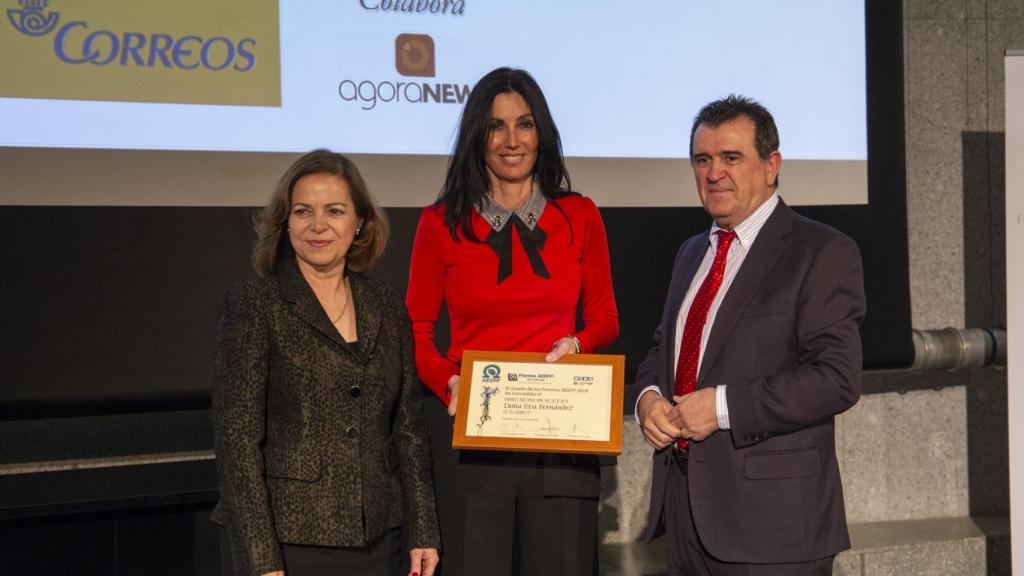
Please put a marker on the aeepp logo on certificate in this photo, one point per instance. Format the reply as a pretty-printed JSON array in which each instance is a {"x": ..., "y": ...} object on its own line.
[{"x": 491, "y": 373}]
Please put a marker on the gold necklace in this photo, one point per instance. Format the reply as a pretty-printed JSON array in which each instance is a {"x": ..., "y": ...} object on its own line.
[{"x": 344, "y": 306}]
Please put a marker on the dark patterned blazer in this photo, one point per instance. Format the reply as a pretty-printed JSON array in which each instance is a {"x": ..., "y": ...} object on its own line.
[
  {"x": 786, "y": 343},
  {"x": 315, "y": 436}
]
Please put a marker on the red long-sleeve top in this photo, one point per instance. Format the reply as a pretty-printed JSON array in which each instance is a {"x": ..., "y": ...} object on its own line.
[{"x": 525, "y": 312}]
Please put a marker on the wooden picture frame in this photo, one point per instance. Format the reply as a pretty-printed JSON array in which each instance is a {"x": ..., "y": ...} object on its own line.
[{"x": 515, "y": 401}]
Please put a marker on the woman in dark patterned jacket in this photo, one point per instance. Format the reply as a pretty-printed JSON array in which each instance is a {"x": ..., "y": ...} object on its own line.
[{"x": 322, "y": 450}]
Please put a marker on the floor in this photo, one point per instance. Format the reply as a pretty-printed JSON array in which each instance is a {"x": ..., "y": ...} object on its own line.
[{"x": 633, "y": 559}]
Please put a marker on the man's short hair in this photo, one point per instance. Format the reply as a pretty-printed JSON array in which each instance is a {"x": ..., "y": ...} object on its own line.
[{"x": 714, "y": 114}]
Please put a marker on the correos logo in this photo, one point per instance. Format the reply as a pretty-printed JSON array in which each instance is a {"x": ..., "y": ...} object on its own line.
[
  {"x": 75, "y": 43},
  {"x": 414, "y": 57},
  {"x": 31, "y": 19},
  {"x": 183, "y": 52},
  {"x": 103, "y": 47}
]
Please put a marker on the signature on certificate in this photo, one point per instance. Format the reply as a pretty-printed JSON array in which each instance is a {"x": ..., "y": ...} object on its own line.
[{"x": 549, "y": 429}]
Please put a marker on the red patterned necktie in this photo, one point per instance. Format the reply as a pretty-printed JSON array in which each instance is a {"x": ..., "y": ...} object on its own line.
[{"x": 689, "y": 349}]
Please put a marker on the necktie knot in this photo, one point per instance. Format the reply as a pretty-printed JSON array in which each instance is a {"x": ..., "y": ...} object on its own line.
[{"x": 725, "y": 238}]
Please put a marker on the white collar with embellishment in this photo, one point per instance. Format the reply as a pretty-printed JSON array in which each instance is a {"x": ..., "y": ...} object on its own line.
[{"x": 497, "y": 215}]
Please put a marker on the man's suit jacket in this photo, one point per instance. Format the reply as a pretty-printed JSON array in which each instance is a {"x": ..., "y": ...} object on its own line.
[
  {"x": 318, "y": 442},
  {"x": 785, "y": 342}
]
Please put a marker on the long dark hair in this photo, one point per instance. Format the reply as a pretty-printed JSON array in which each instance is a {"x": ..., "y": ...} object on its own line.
[{"x": 466, "y": 184}]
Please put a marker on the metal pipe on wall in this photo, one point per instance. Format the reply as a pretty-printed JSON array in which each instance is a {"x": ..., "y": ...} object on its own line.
[{"x": 958, "y": 348}]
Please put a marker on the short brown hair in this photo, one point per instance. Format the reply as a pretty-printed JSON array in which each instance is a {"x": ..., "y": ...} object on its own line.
[{"x": 272, "y": 243}]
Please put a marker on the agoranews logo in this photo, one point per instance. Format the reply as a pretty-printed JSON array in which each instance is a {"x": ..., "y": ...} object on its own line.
[
  {"x": 414, "y": 56},
  {"x": 75, "y": 44}
]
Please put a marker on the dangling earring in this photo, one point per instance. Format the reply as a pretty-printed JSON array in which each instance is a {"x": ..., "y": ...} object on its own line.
[{"x": 358, "y": 229}]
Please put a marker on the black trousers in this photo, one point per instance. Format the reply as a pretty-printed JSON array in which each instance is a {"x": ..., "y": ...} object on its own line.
[
  {"x": 382, "y": 557},
  {"x": 495, "y": 519},
  {"x": 687, "y": 556}
]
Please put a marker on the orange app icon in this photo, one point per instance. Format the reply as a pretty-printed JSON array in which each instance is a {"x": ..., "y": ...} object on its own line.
[{"x": 414, "y": 55}]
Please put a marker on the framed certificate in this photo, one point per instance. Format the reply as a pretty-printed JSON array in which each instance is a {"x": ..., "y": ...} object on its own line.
[{"x": 516, "y": 401}]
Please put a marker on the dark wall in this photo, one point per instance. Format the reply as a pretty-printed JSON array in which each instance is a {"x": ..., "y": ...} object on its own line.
[
  {"x": 113, "y": 309},
  {"x": 170, "y": 540},
  {"x": 984, "y": 165}
]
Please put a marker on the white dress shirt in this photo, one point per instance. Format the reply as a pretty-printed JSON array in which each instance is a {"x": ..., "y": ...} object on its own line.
[{"x": 746, "y": 233}]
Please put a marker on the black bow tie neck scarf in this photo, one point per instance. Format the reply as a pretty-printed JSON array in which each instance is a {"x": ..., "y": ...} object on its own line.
[{"x": 532, "y": 241}]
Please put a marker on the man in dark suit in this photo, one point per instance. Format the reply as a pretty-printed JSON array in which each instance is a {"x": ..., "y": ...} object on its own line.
[{"x": 757, "y": 351}]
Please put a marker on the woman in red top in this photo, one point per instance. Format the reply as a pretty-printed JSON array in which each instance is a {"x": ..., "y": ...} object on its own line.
[{"x": 512, "y": 252}]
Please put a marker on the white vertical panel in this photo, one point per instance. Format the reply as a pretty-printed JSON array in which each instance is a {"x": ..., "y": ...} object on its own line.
[{"x": 1015, "y": 296}]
